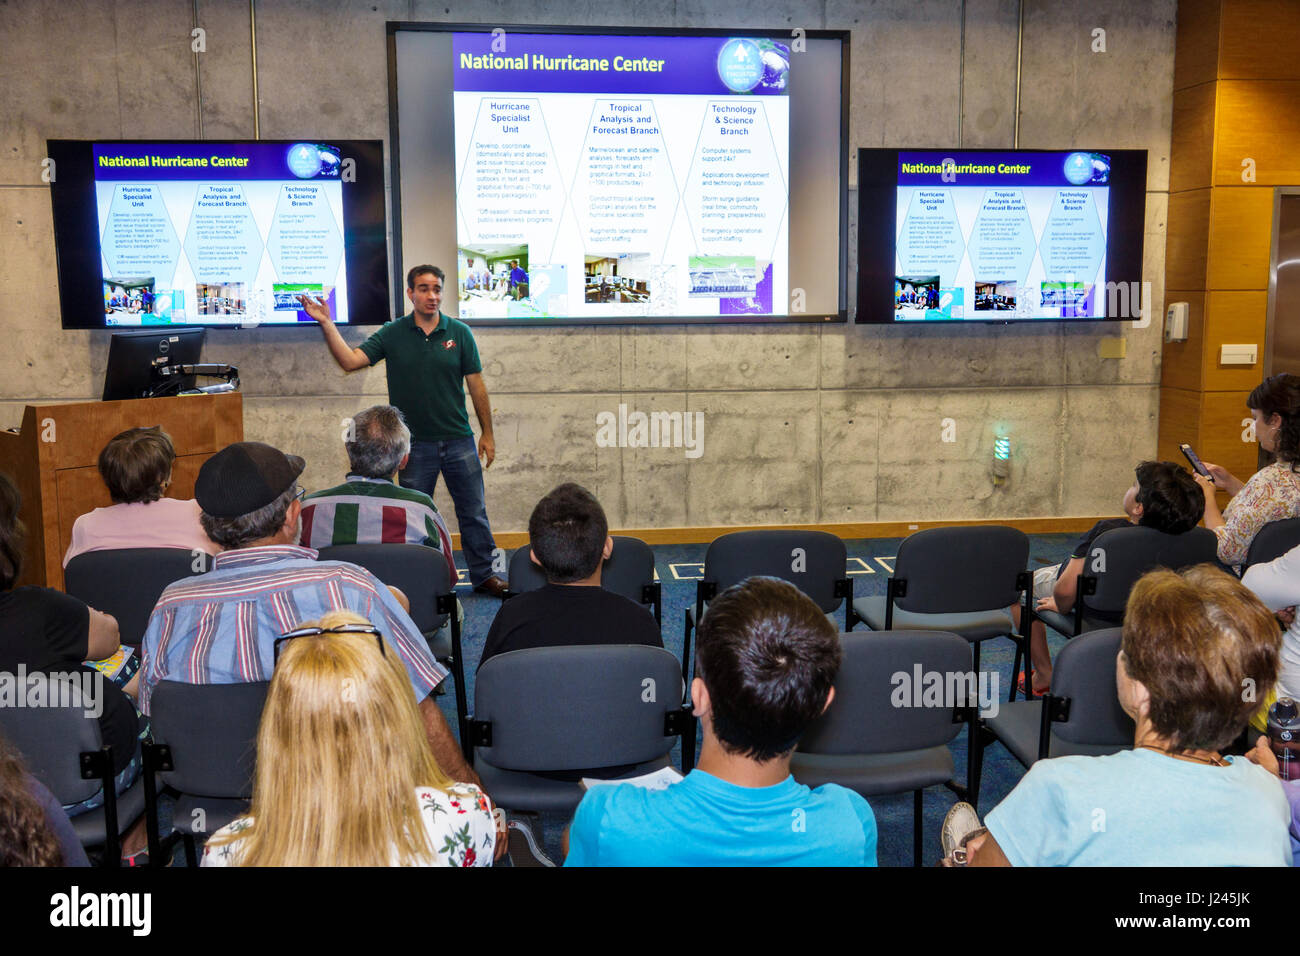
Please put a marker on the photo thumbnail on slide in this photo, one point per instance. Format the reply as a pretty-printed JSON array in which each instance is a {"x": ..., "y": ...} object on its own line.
[
  {"x": 618, "y": 277},
  {"x": 226, "y": 233},
  {"x": 497, "y": 280},
  {"x": 922, "y": 295},
  {"x": 131, "y": 299},
  {"x": 632, "y": 176},
  {"x": 1021, "y": 234}
]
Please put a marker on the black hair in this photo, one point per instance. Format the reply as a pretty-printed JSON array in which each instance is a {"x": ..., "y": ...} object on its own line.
[
  {"x": 567, "y": 532},
  {"x": 1171, "y": 499},
  {"x": 1280, "y": 395},
  {"x": 421, "y": 270},
  {"x": 11, "y": 533},
  {"x": 768, "y": 657}
]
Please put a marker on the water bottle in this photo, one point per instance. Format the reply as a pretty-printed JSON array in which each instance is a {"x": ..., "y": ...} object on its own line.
[{"x": 1284, "y": 736}]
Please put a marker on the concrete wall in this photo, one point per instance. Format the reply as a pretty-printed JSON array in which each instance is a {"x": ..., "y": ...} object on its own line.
[{"x": 802, "y": 424}]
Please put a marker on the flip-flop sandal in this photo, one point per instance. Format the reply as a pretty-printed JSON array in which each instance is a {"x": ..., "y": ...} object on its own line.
[{"x": 1020, "y": 686}]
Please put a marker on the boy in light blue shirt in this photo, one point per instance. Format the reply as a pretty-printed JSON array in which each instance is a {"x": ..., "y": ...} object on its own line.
[{"x": 765, "y": 667}]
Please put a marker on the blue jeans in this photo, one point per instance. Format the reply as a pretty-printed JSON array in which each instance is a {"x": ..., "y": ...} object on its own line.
[{"x": 458, "y": 462}]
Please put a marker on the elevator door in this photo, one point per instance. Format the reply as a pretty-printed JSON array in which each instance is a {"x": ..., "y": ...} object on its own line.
[
  {"x": 1284, "y": 287},
  {"x": 1282, "y": 345}
]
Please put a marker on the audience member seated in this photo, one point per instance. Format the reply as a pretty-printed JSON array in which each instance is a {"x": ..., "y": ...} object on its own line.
[
  {"x": 34, "y": 830},
  {"x": 219, "y": 628},
  {"x": 344, "y": 774},
  {"x": 1164, "y": 497},
  {"x": 137, "y": 468},
  {"x": 50, "y": 632},
  {"x": 370, "y": 507},
  {"x": 570, "y": 541},
  {"x": 1191, "y": 642},
  {"x": 765, "y": 669},
  {"x": 1277, "y": 584},
  {"x": 1273, "y": 492}
]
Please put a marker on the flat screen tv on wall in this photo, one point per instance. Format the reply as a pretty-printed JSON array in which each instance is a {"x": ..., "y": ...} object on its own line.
[
  {"x": 1000, "y": 235},
  {"x": 218, "y": 234},
  {"x": 571, "y": 175}
]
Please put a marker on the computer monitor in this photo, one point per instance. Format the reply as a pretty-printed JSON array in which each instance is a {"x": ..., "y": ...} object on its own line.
[{"x": 135, "y": 357}]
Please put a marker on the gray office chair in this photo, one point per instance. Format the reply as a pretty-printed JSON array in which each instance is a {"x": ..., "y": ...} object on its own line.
[
  {"x": 1272, "y": 541},
  {"x": 813, "y": 561},
  {"x": 1080, "y": 715},
  {"x": 422, "y": 574},
  {"x": 127, "y": 582},
  {"x": 630, "y": 571},
  {"x": 867, "y": 743},
  {"x": 62, "y": 747},
  {"x": 204, "y": 751},
  {"x": 561, "y": 710},
  {"x": 1113, "y": 565},
  {"x": 958, "y": 580}
]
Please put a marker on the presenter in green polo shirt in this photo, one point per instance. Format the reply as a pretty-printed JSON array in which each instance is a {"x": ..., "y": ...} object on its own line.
[{"x": 431, "y": 359}]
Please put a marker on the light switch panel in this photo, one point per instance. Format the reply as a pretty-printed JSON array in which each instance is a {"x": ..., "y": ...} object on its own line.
[{"x": 1238, "y": 354}]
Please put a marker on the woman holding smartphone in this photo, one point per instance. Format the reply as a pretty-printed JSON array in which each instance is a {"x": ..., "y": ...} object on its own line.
[{"x": 1273, "y": 492}]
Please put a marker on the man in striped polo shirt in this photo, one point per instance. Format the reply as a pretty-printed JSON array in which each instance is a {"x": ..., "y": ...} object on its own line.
[
  {"x": 221, "y": 627},
  {"x": 369, "y": 507}
]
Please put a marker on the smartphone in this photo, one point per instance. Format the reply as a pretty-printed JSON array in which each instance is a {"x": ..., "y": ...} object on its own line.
[{"x": 1197, "y": 465}]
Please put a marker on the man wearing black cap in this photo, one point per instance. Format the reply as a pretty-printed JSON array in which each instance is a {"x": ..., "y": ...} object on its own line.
[{"x": 221, "y": 627}]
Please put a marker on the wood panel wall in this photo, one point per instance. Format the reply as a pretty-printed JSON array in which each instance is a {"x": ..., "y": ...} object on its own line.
[{"x": 1236, "y": 89}]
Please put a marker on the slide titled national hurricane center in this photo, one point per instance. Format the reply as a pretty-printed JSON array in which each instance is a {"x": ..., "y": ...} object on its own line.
[
  {"x": 988, "y": 236},
  {"x": 605, "y": 176}
]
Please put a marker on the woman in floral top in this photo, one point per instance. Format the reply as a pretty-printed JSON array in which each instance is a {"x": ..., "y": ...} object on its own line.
[
  {"x": 344, "y": 772},
  {"x": 1273, "y": 492}
]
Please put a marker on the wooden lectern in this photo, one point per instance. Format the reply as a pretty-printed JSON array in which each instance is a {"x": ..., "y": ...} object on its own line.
[{"x": 54, "y": 462}]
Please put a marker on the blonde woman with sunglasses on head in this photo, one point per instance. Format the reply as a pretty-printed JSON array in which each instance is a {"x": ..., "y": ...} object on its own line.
[{"x": 344, "y": 772}]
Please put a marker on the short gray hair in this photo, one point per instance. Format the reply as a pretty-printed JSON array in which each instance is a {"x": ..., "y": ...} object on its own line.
[
  {"x": 380, "y": 440},
  {"x": 241, "y": 531}
]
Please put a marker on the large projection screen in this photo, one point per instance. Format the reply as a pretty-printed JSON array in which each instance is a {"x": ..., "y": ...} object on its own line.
[{"x": 616, "y": 177}]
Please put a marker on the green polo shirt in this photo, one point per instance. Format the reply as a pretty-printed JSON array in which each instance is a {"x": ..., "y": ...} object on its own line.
[{"x": 426, "y": 374}]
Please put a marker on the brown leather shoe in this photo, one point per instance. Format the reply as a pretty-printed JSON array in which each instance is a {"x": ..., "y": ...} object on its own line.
[{"x": 493, "y": 586}]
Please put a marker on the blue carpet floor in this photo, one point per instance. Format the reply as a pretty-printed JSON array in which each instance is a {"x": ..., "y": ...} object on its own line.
[{"x": 870, "y": 562}]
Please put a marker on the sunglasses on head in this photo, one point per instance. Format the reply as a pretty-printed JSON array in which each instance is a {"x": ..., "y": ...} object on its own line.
[{"x": 337, "y": 629}]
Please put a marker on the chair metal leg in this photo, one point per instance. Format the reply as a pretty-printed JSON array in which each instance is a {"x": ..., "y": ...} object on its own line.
[
  {"x": 975, "y": 768},
  {"x": 916, "y": 827},
  {"x": 98, "y": 765},
  {"x": 686, "y": 646},
  {"x": 151, "y": 804},
  {"x": 447, "y": 604},
  {"x": 1024, "y": 639},
  {"x": 973, "y": 757},
  {"x": 1015, "y": 673}
]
